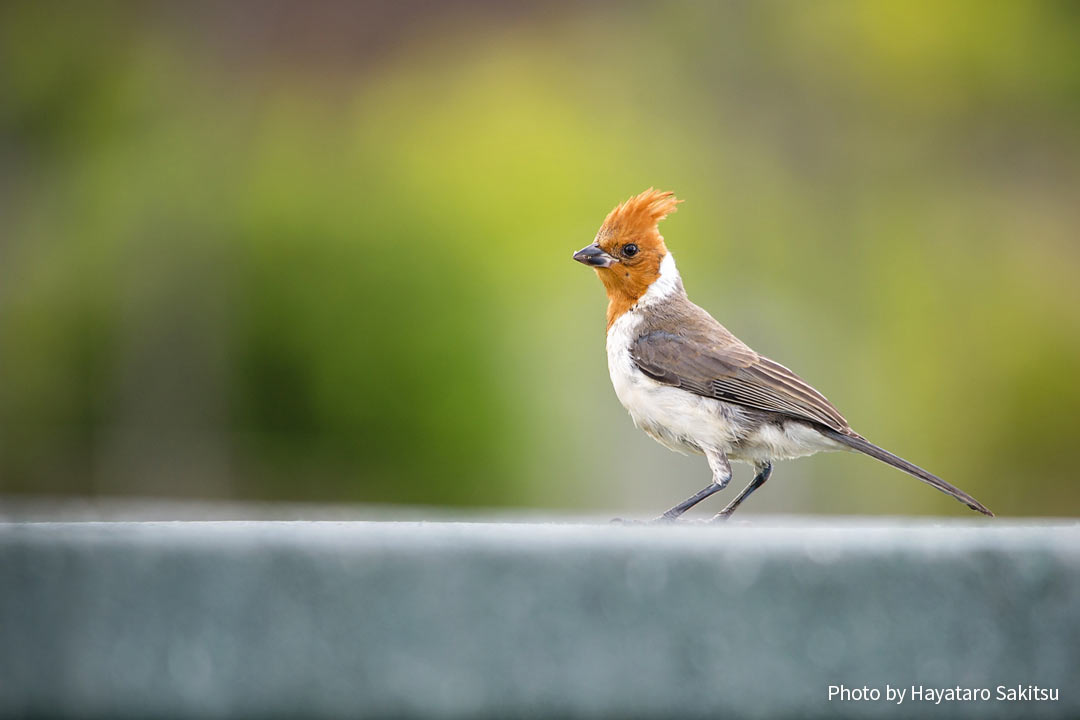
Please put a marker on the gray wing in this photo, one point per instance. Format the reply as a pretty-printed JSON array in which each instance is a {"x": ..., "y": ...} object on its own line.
[{"x": 732, "y": 372}]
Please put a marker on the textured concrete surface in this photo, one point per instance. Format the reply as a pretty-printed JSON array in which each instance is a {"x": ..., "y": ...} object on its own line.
[{"x": 370, "y": 619}]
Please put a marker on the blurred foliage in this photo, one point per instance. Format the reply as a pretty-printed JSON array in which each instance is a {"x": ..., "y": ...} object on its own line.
[{"x": 272, "y": 250}]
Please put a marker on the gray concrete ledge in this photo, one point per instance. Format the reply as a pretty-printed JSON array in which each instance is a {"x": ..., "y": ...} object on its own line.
[{"x": 366, "y": 619}]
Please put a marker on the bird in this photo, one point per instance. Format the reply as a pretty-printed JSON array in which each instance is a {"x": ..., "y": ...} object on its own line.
[{"x": 693, "y": 386}]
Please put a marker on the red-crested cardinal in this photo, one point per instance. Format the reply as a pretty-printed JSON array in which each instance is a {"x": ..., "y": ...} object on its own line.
[{"x": 692, "y": 385}]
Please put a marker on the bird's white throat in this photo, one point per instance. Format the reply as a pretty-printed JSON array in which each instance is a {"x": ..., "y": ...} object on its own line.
[{"x": 662, "y": 287}]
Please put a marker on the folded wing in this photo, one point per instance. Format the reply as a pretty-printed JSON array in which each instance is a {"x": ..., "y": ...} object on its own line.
[{"x": 726, "y": 369}]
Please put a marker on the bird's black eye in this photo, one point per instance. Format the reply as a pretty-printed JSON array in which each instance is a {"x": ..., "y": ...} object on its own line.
[{"x": 629, "y": 250}]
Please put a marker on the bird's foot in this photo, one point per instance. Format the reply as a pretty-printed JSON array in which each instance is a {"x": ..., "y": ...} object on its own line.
[
  {"x": 666, "y": 519},
  {"x": 662, "y": 520}
]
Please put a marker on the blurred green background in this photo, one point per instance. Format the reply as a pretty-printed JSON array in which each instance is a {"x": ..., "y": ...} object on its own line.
[{"x": 321, "y": 252}]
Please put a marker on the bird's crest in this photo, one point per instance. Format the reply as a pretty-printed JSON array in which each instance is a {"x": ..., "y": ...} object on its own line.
[{"x": 640, "y": 214}]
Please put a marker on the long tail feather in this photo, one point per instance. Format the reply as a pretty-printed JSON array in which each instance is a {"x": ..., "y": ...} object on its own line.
[{"x": 857, "y": 442}]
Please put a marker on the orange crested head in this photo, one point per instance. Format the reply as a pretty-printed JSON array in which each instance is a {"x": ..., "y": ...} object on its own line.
[
  {"x": 628, "y": 249},
  {"x": 636, "y": 220}
]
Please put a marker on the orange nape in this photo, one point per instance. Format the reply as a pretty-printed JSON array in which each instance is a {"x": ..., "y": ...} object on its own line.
[{"x": 630, "y": 234}]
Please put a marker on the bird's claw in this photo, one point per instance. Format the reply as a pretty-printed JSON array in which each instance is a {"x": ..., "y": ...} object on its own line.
[
  {"x": 669, "y": 520},
  {"x": 662, "y": 520}
]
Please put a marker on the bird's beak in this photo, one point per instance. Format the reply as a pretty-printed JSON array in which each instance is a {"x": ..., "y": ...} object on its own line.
[{"x": 594, "y": 256}]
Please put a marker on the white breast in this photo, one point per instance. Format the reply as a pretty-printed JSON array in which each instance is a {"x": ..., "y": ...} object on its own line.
[
  {"x": 679, "y": 420},
  {"x": 684, "y": 421}
]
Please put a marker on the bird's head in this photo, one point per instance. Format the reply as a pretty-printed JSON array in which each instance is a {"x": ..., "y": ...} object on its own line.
[{"x": 628, "y": 249}]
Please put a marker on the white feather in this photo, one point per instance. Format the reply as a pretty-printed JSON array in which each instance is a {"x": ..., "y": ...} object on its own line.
[{"x": 684, "y": 421}]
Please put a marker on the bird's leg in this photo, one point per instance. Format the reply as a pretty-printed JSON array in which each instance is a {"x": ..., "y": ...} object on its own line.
[
  {"x": 763, "y": 474},
  {"x": 690, "y": 502},
  {"x": 721, "y": 470}
]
